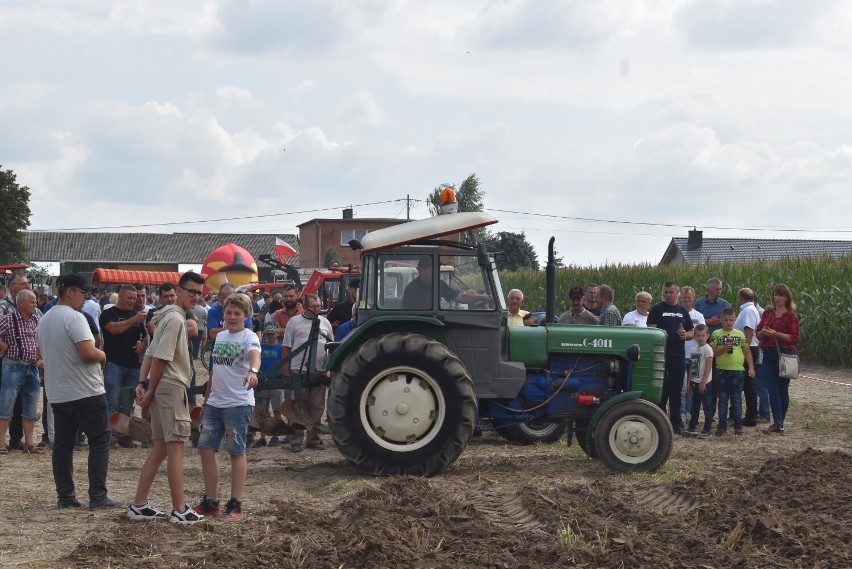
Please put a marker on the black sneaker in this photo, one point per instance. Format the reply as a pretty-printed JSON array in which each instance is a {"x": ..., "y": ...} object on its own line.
[
  {"x": 721, "y": 431},
  {"x": 187, "y": 517},
  {"x": 316, "y": 445},
  {"x": 295, "y": 447},
  {"x": 233, "y": 509},
  {"x": 259, "y": 443},
  {"x": 145, "y": 512},
  {"x": 738, "y": 430},
  {"x": 104, "y": 503},
  {"x": 274, "y": 442},
  {"x": 207, "y": 506},
  {"x": 16, "y": 444},
  {"x": 69, "y": 503},
  {"x": 773, "y": 428}
]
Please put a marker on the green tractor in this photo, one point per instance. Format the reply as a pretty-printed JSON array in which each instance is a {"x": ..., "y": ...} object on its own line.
[{"x": 432, "y": 355}]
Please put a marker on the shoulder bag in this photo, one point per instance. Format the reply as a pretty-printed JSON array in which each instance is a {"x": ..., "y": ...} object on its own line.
[{"x": 788, "y": 364}]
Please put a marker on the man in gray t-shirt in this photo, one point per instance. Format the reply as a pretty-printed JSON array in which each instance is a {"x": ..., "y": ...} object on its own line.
[{"x": 75, "y": 389}]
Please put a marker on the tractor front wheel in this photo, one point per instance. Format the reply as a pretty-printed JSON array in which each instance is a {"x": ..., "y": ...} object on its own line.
[
  {"x": 581, "y": 432},
  {"x": 633, "y": 436},
  {"x": 401, "y": 404}
]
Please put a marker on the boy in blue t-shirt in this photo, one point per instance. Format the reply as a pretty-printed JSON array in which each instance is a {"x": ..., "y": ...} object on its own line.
[{"x": 270, "y": 354}]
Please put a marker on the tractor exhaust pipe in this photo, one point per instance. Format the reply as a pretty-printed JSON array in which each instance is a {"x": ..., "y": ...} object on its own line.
[{"x": 550, "y": 283}]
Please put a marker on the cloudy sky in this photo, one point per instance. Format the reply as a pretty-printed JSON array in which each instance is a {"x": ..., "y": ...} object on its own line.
[{"x": 642, "y": 118}]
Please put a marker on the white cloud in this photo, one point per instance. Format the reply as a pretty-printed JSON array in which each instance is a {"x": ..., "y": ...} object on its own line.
[
  {"x": 361, "y": 109},
  {"x": 229, "y": 94},
  {"x": 305, "y": 85},
  {"x": 239, "y": 108}
]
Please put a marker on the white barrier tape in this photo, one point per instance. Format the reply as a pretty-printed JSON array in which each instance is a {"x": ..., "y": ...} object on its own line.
[{"x": 825, "y": 380}]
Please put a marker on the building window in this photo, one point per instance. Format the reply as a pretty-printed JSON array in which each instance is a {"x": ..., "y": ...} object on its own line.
[{"x": 347, "y": 235}]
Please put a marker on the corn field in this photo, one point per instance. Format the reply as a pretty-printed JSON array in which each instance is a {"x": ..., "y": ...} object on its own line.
[{"x": 822, "y": 289}]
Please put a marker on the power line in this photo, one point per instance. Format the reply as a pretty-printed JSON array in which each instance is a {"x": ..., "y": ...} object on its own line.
[
  {"x": 241, "y": 218},
  {"x": 679, "y": 225},
  {"x": 527, "y": 214}
]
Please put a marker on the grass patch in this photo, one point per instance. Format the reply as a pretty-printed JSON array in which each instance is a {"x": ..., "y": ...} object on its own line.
[
  {"x": 813, "y": 417},
  {"x": 673, "y": 471},
  {"x": 561, "y": 446},
  {"x": 340, "y": 489},
  {"x": 571, "y": 539}
]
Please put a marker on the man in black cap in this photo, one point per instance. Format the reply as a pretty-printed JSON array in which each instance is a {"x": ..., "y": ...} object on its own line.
[
  {"x": 578, "y": 313},
  {"x": 75, "y": 389},
  {"x": 342, "y": 311}
]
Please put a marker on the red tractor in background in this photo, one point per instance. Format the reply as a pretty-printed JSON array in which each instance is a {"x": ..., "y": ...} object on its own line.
[{"x": 329, "y": 284}]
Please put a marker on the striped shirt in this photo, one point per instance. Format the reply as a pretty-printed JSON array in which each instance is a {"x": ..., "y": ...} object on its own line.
[{"x": 20, "y": 334}]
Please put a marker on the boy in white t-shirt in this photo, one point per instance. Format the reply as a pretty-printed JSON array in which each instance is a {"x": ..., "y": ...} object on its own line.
[
  {"x": 700, "y": 375},
  {"x": 229, "y": 402}
]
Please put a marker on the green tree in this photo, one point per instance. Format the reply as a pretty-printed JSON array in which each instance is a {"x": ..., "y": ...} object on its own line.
[
  {"x": 520, "y": 254},
  {"x": 469, "y": 197},
  {"x": 38, "y": 275},
  {"x": 558, "y": 261},
  {"x": 331, "y": 257},
  {"x": 14, "y": 218}
]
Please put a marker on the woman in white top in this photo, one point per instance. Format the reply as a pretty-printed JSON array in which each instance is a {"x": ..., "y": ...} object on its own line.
[{"x": 639, "y": 317}]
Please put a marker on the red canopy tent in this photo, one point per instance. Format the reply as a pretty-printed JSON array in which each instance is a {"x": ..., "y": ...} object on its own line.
[
  {"x": 14, "y": 267},
  {"x": 119, "y": 276}
]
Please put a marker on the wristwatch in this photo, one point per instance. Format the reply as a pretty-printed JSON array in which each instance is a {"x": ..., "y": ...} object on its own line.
[{"x": 254, "y": 370}]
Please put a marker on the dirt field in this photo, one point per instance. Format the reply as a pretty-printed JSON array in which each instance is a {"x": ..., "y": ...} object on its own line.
[{"x": 753, "y": 501}]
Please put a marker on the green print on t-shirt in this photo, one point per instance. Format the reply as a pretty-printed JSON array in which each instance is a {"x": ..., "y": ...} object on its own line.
[
  {"x": 695, "y": 365},
  {"x": 224, "y": 353}
]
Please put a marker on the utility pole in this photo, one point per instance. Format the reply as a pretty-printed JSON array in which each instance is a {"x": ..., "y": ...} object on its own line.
[{"x": 407, "y": 207}]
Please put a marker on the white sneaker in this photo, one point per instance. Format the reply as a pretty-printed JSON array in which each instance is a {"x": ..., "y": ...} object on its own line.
[
  {"x": 187, "y": 517},
  {"x": 144, "y": 512}
]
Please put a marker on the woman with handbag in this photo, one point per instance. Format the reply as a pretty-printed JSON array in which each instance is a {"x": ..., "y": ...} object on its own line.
[{"x": 778, "y": 332}]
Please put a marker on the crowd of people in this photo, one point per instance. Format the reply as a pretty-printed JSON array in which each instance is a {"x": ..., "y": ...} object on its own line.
[
  {"x": 81, "y": 350},
  {"x": 716, "y": 356}
]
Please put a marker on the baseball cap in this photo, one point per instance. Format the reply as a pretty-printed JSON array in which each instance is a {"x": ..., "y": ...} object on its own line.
[
  {"x": 575, "y": 292},
  {"x": 270, "y": 329},
  {"x": 354, "y": 283},
  {"x": 73, "y": 279}
]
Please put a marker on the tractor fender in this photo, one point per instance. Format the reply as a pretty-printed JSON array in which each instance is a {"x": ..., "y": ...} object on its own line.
[
  {"x": 381, "y": 325},
  {"x": 609, "y": 404}
]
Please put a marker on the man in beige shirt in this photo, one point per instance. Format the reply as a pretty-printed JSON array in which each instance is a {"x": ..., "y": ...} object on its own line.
[{"x": 165, "y": 391}]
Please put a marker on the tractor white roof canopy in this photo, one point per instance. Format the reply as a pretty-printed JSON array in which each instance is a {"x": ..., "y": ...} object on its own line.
[{"x": 428, "y": 228}]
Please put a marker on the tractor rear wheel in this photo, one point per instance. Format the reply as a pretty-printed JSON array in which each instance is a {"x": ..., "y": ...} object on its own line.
[
  {"x": 634, "y": 436},
  {"x": 401, "y": 404},
  {"x": 535, "y": 431}
]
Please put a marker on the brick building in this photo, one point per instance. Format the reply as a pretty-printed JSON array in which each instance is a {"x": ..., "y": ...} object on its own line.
[{"x": 317, "y": 236}]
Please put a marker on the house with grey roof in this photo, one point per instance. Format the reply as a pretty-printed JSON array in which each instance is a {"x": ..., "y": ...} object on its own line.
[
  {"x": 698, "y": 250},
  {"x": 84, "y": 252}
]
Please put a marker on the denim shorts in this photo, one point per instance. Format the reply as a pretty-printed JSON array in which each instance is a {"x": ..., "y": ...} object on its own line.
[
  {"x": 19, "y": 378},
  {"x": 219, "y": 422}
]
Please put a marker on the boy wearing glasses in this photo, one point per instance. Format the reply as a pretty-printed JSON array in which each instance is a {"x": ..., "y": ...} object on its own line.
[{"x": 165, "y": 391}]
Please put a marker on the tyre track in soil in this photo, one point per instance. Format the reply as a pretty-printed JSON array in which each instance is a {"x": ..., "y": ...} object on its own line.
[
  {"x": 763, "y": 518},
  {"x": 761, "y": 502}
]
